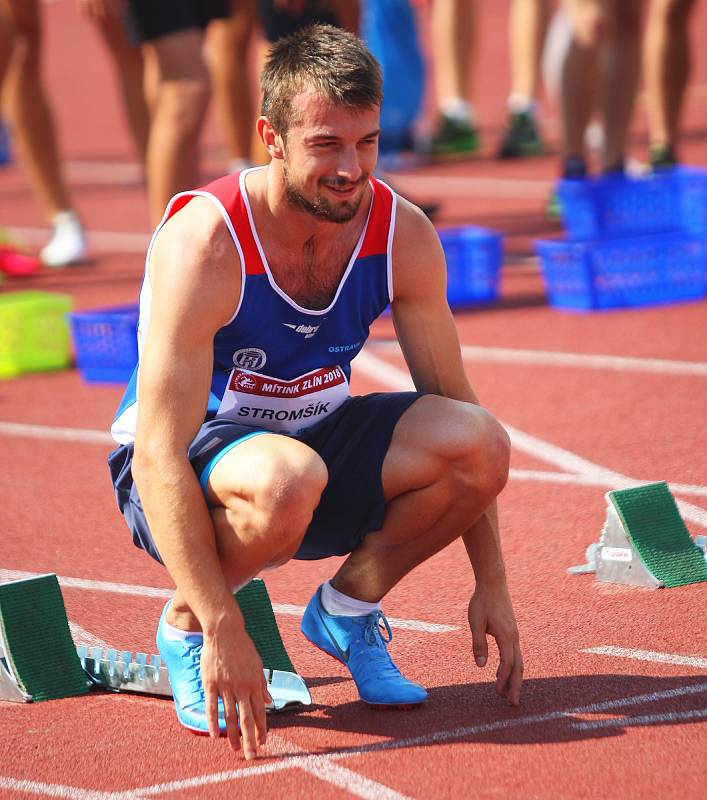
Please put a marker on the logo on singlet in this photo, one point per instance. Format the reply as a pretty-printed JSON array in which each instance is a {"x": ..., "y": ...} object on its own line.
[
  {"x": 250, "y": 358},
  {"x": 307, "y": 330}
]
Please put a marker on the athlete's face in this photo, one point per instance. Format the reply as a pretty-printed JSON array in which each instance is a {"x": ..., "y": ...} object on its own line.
[{"x": 329, "y": 156}]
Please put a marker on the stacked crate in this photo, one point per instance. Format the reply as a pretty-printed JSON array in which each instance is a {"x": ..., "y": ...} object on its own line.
[{"x": 630, "y": 241}]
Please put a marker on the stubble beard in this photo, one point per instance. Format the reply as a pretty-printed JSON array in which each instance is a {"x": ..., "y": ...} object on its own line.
[{"x": 319, "y": 206}]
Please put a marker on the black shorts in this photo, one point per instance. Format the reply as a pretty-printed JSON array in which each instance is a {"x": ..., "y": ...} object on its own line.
[
  {"x": 352, "y": 442},
  {"x": 149, "y": 19},
  {"x": 278, "y": 23}
]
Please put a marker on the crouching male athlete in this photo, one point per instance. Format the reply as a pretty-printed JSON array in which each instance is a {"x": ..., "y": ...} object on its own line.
[{"x": 240, "y": 447}]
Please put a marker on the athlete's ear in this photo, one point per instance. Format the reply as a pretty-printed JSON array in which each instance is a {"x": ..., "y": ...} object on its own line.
[{"x": 271, "y": 139}]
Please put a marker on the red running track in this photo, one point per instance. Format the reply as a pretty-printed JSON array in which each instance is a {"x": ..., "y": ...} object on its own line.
[{"x": 591, "y": 724}]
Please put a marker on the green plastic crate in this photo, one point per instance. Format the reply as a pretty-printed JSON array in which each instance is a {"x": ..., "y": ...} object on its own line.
[{"x": 34, "y": 332}]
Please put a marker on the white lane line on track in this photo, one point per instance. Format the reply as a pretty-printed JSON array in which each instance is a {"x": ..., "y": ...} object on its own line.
[
  {"x": 49, "y": 432},
  {"x": 57, "y": 790},
  {"x": 284, "y": 609},
  {"x": 299, "y": 761},
  {"x": 550, "y": 358},
  {"x": 325, "y": 769},
  {"x": 451, "y": 186},
  {"x": 98, "y": 241},
  {"x": 648, "y": 655},
  {"x": 31, "y": 431},
  {"x": 646, "y": 719},
  {"x": 383, "y": 372},
  {"x": 83, "y": 637},
  {"x": 542, "y": 476}
]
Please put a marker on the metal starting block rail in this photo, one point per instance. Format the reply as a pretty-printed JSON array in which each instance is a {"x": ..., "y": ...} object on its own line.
[
  {"x": 146, "y": 674},
  {"x": 39, "y": 660}
]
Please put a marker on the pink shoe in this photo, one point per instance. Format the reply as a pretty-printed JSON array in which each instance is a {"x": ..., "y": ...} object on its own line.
[{"x": 17, "y": 264}]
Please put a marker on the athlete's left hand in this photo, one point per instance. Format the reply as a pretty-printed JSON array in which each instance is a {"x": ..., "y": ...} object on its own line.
[{"x": 491, "y": 614}]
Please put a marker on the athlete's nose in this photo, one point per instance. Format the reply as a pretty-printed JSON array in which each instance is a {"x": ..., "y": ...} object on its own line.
[{"x": 349, "y": 167}]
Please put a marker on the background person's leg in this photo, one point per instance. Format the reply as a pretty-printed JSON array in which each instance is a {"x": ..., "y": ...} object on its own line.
[
  {"x": 228, "y": 59},
  {"x": 129, "y": 72},
  {"x": 620, "y": 74},
  {"x": 527, "y": 25},
  {"x": 666, "y": 65},
  {"x": 180, "y": 107},
  {"x": 453, "y": 50},
  {"x": 579, "y": 79},
  {"x": 34, "y": 132}
]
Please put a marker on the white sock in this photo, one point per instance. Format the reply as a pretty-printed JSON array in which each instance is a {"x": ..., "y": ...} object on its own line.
[
  {"x": 520, "y": 104},
  {"x": 177, "y": 634},
  {"x": 458, "y": 109},
  {"x": 341, "y": 605}
]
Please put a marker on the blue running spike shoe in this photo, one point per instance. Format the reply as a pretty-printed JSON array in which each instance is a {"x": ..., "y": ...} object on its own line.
[
  {"x": 358, "y": 643},
  {"x": 182, "y": 657}
]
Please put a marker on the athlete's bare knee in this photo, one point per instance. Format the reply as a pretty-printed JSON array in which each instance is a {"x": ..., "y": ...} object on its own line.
[{"x": 484, "y": 463}]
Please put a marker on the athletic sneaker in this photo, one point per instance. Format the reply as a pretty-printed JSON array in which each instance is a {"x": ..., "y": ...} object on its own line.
[
  {"x": 182, "y": 657},
  {"x": 357, "y": 642},
  {"x": 521, "y": 138},
  {"x": 454, "y": 137},
  {"x": 662, "y": 157},
  {"x": 67, "y": 244}
]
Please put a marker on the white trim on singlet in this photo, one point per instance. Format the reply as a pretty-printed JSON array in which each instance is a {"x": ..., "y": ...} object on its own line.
[
  {"x": 391, "y": 233},
  {"x": 266, "y": 266}
]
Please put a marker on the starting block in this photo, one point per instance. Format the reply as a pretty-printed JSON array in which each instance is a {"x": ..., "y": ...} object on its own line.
[
  {"x": 644, "y": 541},
  {"x": 39, "y": 660}
]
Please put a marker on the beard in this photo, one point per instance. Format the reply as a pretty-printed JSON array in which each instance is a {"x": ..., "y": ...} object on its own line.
[{"x": 319, "y": 206}]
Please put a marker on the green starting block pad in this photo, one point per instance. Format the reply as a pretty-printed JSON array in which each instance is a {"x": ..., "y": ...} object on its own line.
[
  {"x": 644, "y": 541},
  {"x": 39, "y": 660}
]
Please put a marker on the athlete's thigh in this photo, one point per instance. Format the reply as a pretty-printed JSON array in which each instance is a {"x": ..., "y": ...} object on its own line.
[
  {"x": 431, "y": 434},
  {"x": 259, "y": 465}
]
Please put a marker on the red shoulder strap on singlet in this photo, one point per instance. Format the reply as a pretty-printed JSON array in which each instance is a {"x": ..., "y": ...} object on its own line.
[
  {"x": 375, "y": 241},
  {"x": 227, "y": 191}
]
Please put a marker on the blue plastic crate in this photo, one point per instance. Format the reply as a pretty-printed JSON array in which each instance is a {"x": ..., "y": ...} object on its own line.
[
  {"x": 619, "y": 205},
  {"x": 105, "y": 343},
  {"x": 621, "y": 273},
  {"x": 474, "y": 257}
]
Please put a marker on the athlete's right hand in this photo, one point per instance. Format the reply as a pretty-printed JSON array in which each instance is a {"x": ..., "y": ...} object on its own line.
[{"x": 232, "y": 670}]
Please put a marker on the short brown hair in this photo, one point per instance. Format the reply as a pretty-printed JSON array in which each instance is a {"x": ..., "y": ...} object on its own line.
[{"x": 327, "y": 60}]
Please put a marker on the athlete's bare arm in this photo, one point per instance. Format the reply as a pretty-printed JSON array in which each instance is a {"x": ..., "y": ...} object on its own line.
[
  {"x": 429, "y": 341},
  {"x": 196, "y": 278}
]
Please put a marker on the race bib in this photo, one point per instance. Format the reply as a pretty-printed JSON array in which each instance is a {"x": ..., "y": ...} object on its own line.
[{"x": 283, "y": 406}]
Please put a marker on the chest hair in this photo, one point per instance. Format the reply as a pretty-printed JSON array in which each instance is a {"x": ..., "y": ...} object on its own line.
[{"x": 312, "y": 276}]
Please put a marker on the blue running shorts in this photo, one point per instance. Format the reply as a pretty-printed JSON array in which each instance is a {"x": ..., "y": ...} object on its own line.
[{"x": 352, "y": 442}]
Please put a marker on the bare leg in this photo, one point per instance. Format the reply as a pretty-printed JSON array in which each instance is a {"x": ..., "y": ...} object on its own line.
[
  {"x": 180, "y": 107},
  {"x": 228, "y": 60},
  {"x": 666, "y": 67},
  {"x": 453, "y": 35},
  {"x": 438, "y": 479},
  {"x": 129, "y": 69},
  {"x": 263, "y": 493},
  {"x": 28, "y": 109},
  {"x": 621, "y": 61},
  {"x": 578, "y": 84},
  {"x": 528, "y": 20}
]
